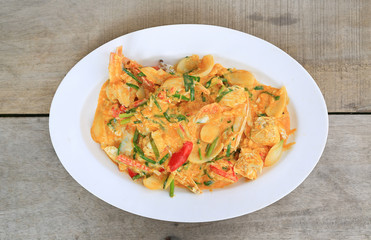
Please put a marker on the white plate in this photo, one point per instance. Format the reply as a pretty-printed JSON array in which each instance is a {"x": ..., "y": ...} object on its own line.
[{"x": 73, "y": 107}]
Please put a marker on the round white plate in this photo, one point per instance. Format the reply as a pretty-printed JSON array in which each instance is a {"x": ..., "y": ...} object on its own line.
[{"x": 73, "y": 107}]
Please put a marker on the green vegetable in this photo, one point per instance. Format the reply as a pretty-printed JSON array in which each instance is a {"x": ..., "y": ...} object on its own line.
[
  {"x": 132, "y": 86},
  {"x": 199, "y": 153},
  {"x": 258, "y": 88},
  {"x": 158, "y": 105},
  {"x": 274, "y": 96},
  {"x": 262, "y": 115},
  {"x": 125, "y": 121},
  {"x": 154, "y": 147},
  {"x": 137, "y": 149},
  {"x": 250, "y": 94},
  {"x": 189, "y": 85},
  {"x": 137, "y": 121},
  {"x": 181, "y": 117},
  {"x": 164, "y": 185},
  {"x": 225, "y": 82},
  {"x": 180, "y": 133},
  {"x": 147, "y": 159},
  {"x": 126, "y": 115},
  {"x": 172, "y": 186},
  {"x": 203, "y": 97},
  {"x": 208, "y": 183},
  {"x": 207, "y": 85},
  {"x": 222, "y": 94},
  {"x": 111, "y": 123},
  {"x": 141, "y": 74},
  {"x": 225, "y": 168},
  {"x": 205, "y": 172},
  {"x": 212, "y": 146},
  {"x": 136, "y": 177},
  {"x": 131, "y": 75},
  {"x": 164, "y": 158},
  {"x": 136, "y": 136},
  {"x": 228, "y": 150},
  {"x": 167, "y": 116},
  {"x": 181, "y": 97}
]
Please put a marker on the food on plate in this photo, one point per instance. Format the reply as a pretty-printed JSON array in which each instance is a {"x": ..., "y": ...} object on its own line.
[{"x": 196, "y": 125}]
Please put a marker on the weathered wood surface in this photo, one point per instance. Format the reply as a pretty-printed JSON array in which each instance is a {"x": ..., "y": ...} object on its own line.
[
  {"x": 42, "y": 40},
  {"x": 40, "y": 200}
]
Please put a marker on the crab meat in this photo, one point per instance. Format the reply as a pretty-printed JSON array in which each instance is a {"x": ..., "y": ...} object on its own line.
[
  {"x": 265, "y": 131},
  {"x": 249, "y": 164}
]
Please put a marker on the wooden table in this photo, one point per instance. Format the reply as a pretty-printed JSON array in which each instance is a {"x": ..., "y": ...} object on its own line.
[{"x": 42, "y": 40}]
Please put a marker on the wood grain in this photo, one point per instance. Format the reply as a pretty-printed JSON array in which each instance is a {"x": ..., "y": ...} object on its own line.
[
  {"x": 42, "y": 40},
  {"x": 40, "y": 200}
]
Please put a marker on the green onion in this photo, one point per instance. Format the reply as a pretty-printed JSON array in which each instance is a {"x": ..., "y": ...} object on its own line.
[
  {"x": 189, "y": 84},
  {"x": 274, "y": 96},
  {"x": 126, "y": 115},
  {"x": 147, "y": 159},
  {"x": 137, "y": 149},
  {"x": 192, "y": 93},
  {"x": 262, "y": 115},
  {"x": 181, "y": 117},
  {"x": 205, "y": 172},
  {"x": 137, "y": 121},
  {"x": 125, "y": 121},
  {"x": 164, "y": 185},
  {"x": 197, "y": 182},
  {"x": 203, "y": 97},
  {"x": 164, "y": 158},
  {"x": 158, "y": 105},
  {"x": 228, "y": 150},
  {"x": 229, "y": 121},
  {"x": 208, "y": 183},
  {"x": 199, "y": 153},
  {"x": 222, "y": 94},
  {"x": 132, "y": 86},
  {"x": 225, "y": 82},
  {"x": 207, "y": 85},
  {"x": 167, "y": 116},
  {"x": 212, "y": 146},
  {"x": 250, "y": 94},
  {"x": 154, "y": 147},
  {"x": 141, "y": 74},
  {"x": 131, "y": 75},
  {"x": 225, "y": 168},
  {"x": 184, "y": 98},
  {"x": 172, "y": 186},
  {"x": 180, "y": 133},
  {"x": 258, "y": 88},
  {"x": 218, "y": 158},
  {"x": 136, "y": 177}
]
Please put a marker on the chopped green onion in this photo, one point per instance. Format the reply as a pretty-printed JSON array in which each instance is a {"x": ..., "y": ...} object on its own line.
[
  {"x": 225, "y": 82},
  {"x": 250, "y": 94},
  {"x": 159, "y": 116},
  {"x": 218, "y": 158},
  {"x": 180, "y": 133},
  {"x": 184, "y": 98},
  {"x": 197, "y": 182},
  {"x": 181, "y": 117},
  {"x": 262, "y": 115},
  {"x": 158, "y": 105},
  {"x": 167, "y": 116},
  {"x": 154, "y": 147},
  {"x": 225, "y": 168},
  {"x": 258, "y": 88},
  {"x": 199, "y": 153},
  {"x": 133, "y": 86},
  {"x": 126, "y": 115},
  {"x": 207, "y": 85},
  {"x": 228, "y": 150},
  {"x": 125, "y": 121},
  {"x": 137, "y": 121},
  {"x": 138, "y": 149},
  {"x": 205, "y": 172},
  {"x": 131, "y": 75},
  {"x": 164, "y": 158},
  {"x": 189, "y": 85},
  {"x": 136, "y": 177},
  {"x": 222, "y": 94},
  {"x": 208, "y": 183},
  {"x": 212, "y": 146},
  {"x": 229, "y": 121},
  {"x": 141, "y": 74},
  {"x": 147, "y": 159},
  {"x": 172, "y": 186},
  {"x": 136, "y": 136},
  {"x": 203, "y": 97},
  {"x": 274, "y": 96},
  {"x": 164, "y": 185}
]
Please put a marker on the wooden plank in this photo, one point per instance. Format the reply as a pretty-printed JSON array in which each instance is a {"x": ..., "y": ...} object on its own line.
[
  {"x": 41, "y": 41},
  {"x": 40, "y": 200}
]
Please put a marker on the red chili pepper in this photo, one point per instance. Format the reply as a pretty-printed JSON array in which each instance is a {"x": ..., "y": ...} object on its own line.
[
  {"x": 156, "y": 67},
  {"x": 132, "y": 163},
  {"x": 132, "y": 173},
  {"x": 180, "y": 157},
  {"x": 232, "y": 176},
  {"x": 162, "y": 95}
]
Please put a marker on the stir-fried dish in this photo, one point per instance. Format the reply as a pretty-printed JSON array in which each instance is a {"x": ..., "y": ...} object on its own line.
[{"x": 195, "y": 125}]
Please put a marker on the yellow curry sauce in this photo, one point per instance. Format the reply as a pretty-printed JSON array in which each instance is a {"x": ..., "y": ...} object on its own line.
[{"x": 196, "y": 125}]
